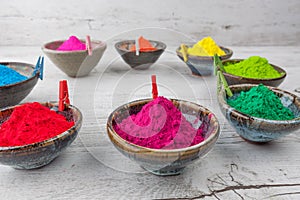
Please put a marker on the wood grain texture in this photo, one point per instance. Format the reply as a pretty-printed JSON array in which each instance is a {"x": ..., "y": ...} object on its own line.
[
  {"x": 236, "y": 22},
  {"x": 91, "y": 168}
]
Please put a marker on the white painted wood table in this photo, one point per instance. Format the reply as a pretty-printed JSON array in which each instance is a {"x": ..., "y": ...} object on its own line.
[{"x": 91, "y": 168}]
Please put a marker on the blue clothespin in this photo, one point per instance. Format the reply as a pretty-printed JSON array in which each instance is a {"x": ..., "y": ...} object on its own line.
[{"x": 39, "y": 67}]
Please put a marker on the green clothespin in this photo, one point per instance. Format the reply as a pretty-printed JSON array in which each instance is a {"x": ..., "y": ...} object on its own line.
[
  {"x": 222, "y": 79},
  {"x": 218, "y": 64}
]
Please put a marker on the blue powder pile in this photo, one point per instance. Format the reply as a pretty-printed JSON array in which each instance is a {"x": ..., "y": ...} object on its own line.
[{"x": 10, "y": 76}]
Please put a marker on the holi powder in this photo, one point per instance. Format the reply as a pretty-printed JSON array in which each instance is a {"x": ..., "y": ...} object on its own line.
[
  {"x": 252, "y": 67},
  {"x": 72, "y": 44},
  {"x": 144, "y": 45},
  {"x": 9, "y": 76},
  {"x": 160, "y": 125},
  {"x": 205, "y": 47},
  {"x": 31, "y": 123},
  {"x": 261, "y": 102}
]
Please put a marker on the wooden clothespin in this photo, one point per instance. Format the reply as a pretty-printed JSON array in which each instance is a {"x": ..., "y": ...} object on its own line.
[{"x": 88, "y": 44}]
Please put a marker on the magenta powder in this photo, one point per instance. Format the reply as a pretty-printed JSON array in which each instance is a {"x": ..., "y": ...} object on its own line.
[
  {"x": 72, "y": 44},
  {"x": 159, "y": 125}
]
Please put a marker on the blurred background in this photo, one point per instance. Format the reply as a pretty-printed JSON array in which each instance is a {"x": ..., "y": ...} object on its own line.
[{"x": 233, "y": 23}]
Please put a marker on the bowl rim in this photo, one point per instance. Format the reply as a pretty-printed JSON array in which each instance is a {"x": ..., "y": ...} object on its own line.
[
  {"x": 213, "y": 136},
  {"x": 164, "y": 46},
  {"x": 102, "y": 45},
  {"x": 256, "y": 79},
  {"x": 21, "y": 82},
  {"x": 237, "y": 113},
  {"x": 228, "y": 55},
  {"x": 48, "y": 141}
]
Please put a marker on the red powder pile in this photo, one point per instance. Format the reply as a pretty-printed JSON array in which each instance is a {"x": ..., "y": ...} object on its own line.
[
  {"x": 159, "y": 125},
  {"x": 30, "y": 123},
  {"x": 72, "y": 44},
  {"x": 144, "y": 45}
]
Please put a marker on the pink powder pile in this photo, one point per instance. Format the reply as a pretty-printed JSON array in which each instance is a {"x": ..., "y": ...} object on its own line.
[
  {"x": 72, "y": 44},
  {"x": 159, "y": 125}
]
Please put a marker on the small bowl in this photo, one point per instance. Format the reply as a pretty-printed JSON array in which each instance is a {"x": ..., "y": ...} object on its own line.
[
  {"x": 145, "y": 59},
  {"x": 74, "y": 63},
  {"x": 260, "y": 130},
  {"x": 41, "y": 153},
  {"x": 13, "y": 94},
  {"x": 202, "y": 65},
  {"x": 164, "y": 161},
  {"x": 233, "y": 79}
]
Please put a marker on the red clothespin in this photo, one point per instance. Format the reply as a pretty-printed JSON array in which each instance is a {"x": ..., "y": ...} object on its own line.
[
  {"x": 154, "y": 87},
  {"x": 63, "y": 95}
]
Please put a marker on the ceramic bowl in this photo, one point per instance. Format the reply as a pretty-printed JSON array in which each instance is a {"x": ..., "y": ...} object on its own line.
[
  {"x": 202, "y": 65},
  {"x": 163, "y": 161},
  {"x": 233, "y": 79},
  {"x": 145, "y": 59},
  {"x": 14, "y": 93},
  {"x": 41, "y": 153},
  {"x": 75, "y": 63},
  {"x": 260, "y": 130}
]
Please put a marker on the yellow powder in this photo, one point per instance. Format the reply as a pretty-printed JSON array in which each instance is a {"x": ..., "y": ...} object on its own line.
[{"x": 205, "y": 47}]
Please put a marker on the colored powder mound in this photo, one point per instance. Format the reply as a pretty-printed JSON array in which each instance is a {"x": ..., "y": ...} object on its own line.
[
  {"x": 9, "y": 76},
  {"x": 205, "y": 47},
  {"x": 261, "y": 102},
  {"x": 159, "y": 125},
  {"x": 144, "y": 45},
  {"x": 30, "y": 123},
  {"x": 253, "y": 67},
  {"x": 72, "y": 44}
]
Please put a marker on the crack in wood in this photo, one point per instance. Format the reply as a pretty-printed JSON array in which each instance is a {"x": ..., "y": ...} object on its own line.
[
  {"x": 283, "y": 194},
  {"x": 238, "y": 187}
]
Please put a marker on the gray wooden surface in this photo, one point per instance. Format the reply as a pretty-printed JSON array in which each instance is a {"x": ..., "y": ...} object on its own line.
[
  {"x": 238, "y": 22},
  {"x": 91, "y": 168}
]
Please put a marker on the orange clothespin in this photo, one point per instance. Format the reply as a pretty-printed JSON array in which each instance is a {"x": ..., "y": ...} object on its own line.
[
  {"x": 63, "y": 95},
  {"x": 154, "y": 87}
]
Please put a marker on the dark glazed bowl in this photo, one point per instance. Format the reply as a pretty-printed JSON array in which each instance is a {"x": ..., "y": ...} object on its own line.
[
  {"x": 14, "y": 93},
  {"x": 235, "y": 80},
  {"x": 165, "y": 161},
  {"x": 145, "y": 59},
  {"x": 202, "y": 65},
  {"x": 41, "y": 153},
  {"x": 75, "y": 63},
  {"x": 260, "y": 130}
]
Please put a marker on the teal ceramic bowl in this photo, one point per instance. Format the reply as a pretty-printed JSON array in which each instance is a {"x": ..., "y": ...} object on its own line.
[
  {"x": 260, "y": 130},
  {"x": 165, "y": 161},
  {"x": 41, "y": 153}
]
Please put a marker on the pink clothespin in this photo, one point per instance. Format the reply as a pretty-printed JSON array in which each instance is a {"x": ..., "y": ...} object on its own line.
[
  {"x": 63, "y": 95},
  {"x": 89, "y": 45},
  {"x": 154, "y": 87}
]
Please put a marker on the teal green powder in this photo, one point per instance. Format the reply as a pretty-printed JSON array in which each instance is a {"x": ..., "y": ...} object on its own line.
[
  {"x": 253, "y": 67},
  {"x": 261, "y": 102}
]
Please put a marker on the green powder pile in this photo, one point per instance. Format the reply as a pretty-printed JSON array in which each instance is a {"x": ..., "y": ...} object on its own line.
[
  {"x": 253, "y": 67},
  {"x": 261, "y": 102}
]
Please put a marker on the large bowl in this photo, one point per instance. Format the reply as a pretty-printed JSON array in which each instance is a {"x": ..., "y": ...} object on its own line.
[
  {"x": 41, "y": 153},
  {"x": 13, "y": 94},
  {"x": 145, "y": 59},
  {"x": 203, "y": 65},
  {"x": 234, "y": 80},
  {"x": 256, "y": 129},
  {"x": 75, "y": 63},
  {"x": 163, "y": 161}
]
